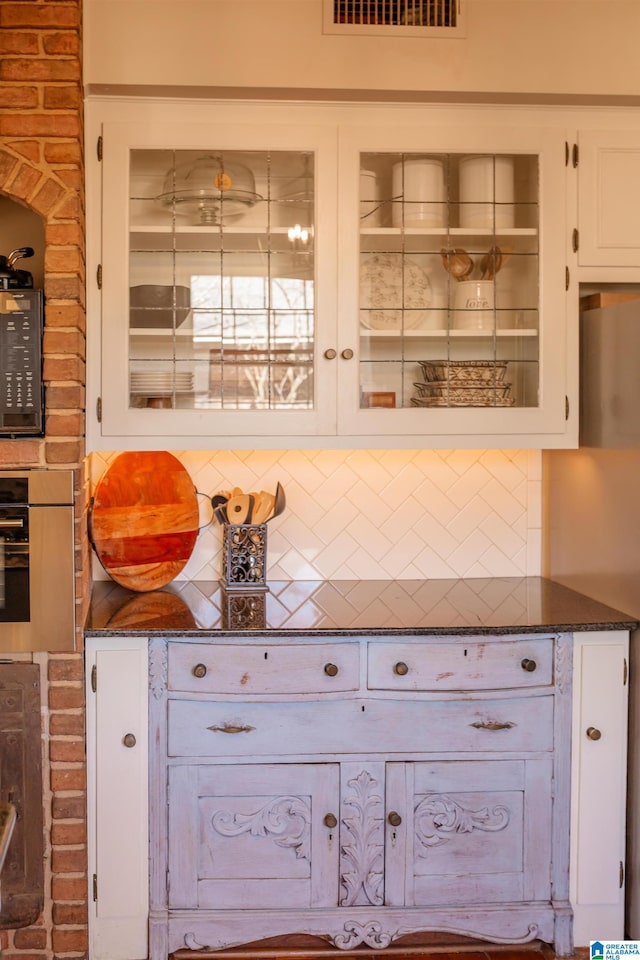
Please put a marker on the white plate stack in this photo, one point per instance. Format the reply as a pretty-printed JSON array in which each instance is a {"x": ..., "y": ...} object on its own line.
[{"x": 160, "y": 383}]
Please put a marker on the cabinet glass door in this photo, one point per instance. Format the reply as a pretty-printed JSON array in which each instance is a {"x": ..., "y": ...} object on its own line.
[
  {"x": 221, "y": 271},
  {"x": 210, "y": 294},
  {"x": 450, "y": 277},
  {"x": 449, "y": 280}
]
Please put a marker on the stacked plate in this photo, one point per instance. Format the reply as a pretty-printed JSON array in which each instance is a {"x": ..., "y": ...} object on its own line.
[
  {"x": 463, "y": 383},
  {"x": 160, "y": 383}
]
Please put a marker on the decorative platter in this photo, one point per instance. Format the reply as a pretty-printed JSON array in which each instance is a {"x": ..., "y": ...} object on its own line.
[{"x": 393, "y": 287}]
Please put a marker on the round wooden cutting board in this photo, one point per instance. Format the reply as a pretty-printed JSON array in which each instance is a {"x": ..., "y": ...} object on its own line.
[{"x": 143, "y": 521}]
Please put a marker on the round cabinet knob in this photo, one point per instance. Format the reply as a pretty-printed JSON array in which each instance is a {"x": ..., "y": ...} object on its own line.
[
  {"x": 330, "y": 821},
  {"x": 330, "y": 354},
  {"x": 528, "y": 665},
  {"x": 347, "y": 354},
  {"x": 401, "y": 668},
  {"x": 593, "y": 733},
  {"x": 200, "y": 670},
  {"x": 394, "y": 819},
  {"x": 129, "y": 740},
  {"x": 330, "y": 669}
]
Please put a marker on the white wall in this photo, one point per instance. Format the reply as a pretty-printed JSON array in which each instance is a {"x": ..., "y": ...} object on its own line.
[{"x": 567, "y": 47}]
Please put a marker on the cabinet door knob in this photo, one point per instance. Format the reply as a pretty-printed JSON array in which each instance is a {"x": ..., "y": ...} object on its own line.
[
  {"x": 330, "y": 669},
  {"x": 528, "y": 665},
  {"x": 200, "y": 670},
  {"x": 347, "y": 354},
  {"x": 129, "y": 740},
  {"x": 401, "y": 668},
  {"x": 330, "y": 354},
  {"x": 394, "y": 819},
  {"x": 593, "y": 733},
  {"x": 330, "y": 821}
]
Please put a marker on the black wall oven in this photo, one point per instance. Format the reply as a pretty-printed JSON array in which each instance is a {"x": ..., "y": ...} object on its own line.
[{"x": 37, "y": 576}]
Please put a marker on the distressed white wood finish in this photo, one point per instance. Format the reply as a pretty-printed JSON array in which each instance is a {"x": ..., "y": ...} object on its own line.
[
  {"x": 265, "y": 669},
  {"x": 445, "y": 816},
  {"x": 472, "y": 666},
  {"x": 319, "y": 727},
  {"x": 245, "y": 834}
]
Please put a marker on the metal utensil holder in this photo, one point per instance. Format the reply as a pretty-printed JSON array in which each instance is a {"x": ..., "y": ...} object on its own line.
[{"x": 244, "y": 556}]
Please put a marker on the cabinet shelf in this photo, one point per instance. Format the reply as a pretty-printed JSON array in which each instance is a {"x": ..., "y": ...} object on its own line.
[
  {"x": 448, "y": 231},
  {"x": 443, "y": 334}
]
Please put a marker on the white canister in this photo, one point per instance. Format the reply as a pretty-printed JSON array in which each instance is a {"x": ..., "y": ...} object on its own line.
[
  {"x": 486, "y": 192},
  {"x": 474, "y": 305},
  {"x": 418, "y": 192},
  {"x": 370, "y": 199}
]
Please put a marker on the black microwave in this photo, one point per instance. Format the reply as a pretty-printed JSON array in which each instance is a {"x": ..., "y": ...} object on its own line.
[{"x": 21, "y": 385}]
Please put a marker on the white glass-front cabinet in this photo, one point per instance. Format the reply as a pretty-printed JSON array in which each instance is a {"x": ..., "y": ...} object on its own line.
[
  {"x": 291, "y": 273},
  {"x": 460, "y": 287},
  {"x": 212, "y": 245}
]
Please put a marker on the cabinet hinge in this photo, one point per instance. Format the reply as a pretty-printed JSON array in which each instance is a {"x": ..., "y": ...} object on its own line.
[
  {"x": 625, "y": 672},
  {"x": 99, "y": 147},
  {"x": 99, "y": 409},
  {"x": 94, "y": 678},
  {"x": 567, "y": 278},
  {"x": 621, "y": 875},
  {"x": 566, "y": 407},
  {"x": 95, "y": 887},
  {"x": 575, "y": 240},
  {"x": 99, "y": 276},
  {"x": 575, "y": 155}
]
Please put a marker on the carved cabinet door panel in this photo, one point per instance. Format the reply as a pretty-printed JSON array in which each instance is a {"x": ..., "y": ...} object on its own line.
[
  {"x": 233, "y": 827},
  {"x": 471, "y": 831}
]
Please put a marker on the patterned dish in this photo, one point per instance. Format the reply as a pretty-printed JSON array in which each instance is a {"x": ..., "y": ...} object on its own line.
[
  {"x": 393, "y": 286},
  {"x": 482, "y": 391},
  {"x": 463, "y": 371},
  {"x": 466, "y": 401}
]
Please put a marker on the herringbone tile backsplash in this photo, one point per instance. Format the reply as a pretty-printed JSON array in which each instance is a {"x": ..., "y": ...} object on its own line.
[{"x": 377, "y": 514}]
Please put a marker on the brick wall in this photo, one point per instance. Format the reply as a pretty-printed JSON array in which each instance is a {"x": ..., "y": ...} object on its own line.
[{"x": 41, "y": 167}]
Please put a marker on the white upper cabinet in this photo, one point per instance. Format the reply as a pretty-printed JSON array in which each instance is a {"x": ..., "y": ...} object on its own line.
[
  {"x": 608, "y": 164},
  {"x": 315, "y": 275},
  {"x": 453, "y": 264}
]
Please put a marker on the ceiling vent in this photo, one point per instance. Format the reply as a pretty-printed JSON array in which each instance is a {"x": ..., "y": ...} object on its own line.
[{"x": 400, "y": 18}]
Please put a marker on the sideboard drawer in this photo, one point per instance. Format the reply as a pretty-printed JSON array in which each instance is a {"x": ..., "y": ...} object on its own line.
[
  {"x": 264, "y": 668},
  {"x": 218, "y": 729},
  {"x": 476, "y": 665}
]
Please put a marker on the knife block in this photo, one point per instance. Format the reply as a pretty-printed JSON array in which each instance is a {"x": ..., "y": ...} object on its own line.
[{"x": 244, "y": 556}]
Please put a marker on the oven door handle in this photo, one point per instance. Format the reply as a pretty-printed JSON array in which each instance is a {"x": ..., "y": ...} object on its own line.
[{"x": 11, "y": 523}]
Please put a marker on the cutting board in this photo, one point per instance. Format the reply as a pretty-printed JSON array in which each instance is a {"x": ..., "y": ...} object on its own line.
[{"x": 143, "y": 520}]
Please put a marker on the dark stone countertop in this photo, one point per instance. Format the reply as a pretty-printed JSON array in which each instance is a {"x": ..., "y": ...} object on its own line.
[{"x": 496, "y": 605}]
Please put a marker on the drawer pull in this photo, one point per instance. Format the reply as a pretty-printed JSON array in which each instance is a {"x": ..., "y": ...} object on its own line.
[
  {"x": 129, "y": 740},
  {"x": 330, "y": 820},
  {"x": 528, "y": 665},
  {"x": 401, "y": 668},
  {"x": 231, "y": 728},
  {"x": 394, "y": 819},
  {"x": 330, "y": 669},
  {"x": 593, "y": 733},
  {"x": 199, "y": 670},
  {"x": 493, "y": 725}
]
